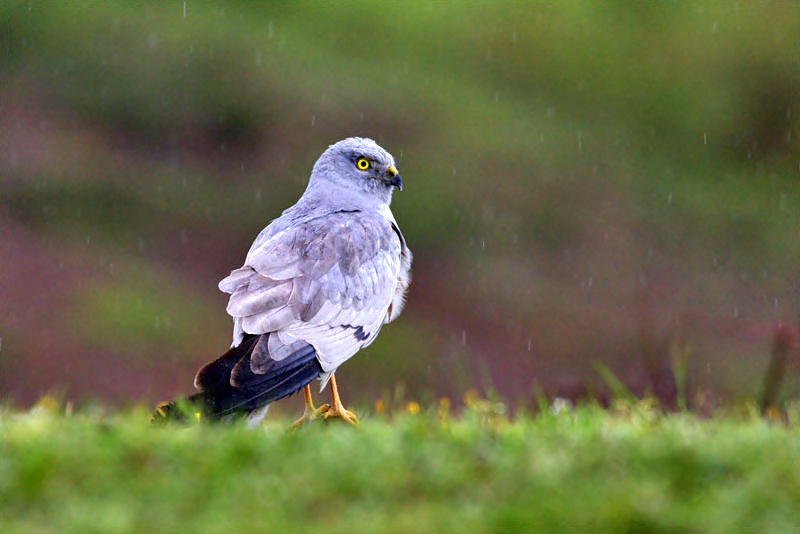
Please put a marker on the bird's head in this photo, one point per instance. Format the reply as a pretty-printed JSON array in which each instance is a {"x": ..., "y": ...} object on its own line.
[{"x": 360, "y": 165}]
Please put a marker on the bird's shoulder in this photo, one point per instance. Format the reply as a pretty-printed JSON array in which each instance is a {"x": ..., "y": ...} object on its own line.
[{"x": 343, "y": 233}]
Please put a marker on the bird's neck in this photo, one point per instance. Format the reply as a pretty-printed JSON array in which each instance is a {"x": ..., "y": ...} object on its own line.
[{"x": 340, "y": 198}]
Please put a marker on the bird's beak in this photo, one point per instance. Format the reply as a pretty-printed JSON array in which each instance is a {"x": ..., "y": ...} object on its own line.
[{"x": 393, "y": 177}]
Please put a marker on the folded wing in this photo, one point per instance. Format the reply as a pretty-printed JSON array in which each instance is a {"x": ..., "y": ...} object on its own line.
[{"x": 330, "y": 282}]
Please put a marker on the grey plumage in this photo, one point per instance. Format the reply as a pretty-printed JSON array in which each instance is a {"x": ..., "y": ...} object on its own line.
[{"x": 321, "y": 279}]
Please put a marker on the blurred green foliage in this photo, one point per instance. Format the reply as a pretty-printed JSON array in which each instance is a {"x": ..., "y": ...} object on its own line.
[{"x": 561, "y": 159}]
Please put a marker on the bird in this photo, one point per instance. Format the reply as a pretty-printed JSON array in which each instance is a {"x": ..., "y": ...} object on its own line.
[{"x": 316, "y": 286}]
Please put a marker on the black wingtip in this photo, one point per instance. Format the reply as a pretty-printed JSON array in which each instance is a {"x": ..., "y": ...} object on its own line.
[{"x": 229, "y": 387}]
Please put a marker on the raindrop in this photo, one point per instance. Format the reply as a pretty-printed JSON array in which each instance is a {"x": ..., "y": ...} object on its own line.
[
  {"x": 529, "y": 345},
  {"x": 184, "y": 10},
  {"x": 513, "y": 37},
  {"x": 669, "y": 198},
  {"x": 497, "y": 97},
  {"x": 464, "y": 337},
  {"x": 735, "y": 312},
  {"x": 454, "y": 171},
  {"x": 313, "y": 120},
  {"x": 705, "y": 138},
  {"x": 269, "y": 30}
]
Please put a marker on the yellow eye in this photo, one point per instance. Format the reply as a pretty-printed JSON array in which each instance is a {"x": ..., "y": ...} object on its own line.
[{"x": 362, "y": 164}]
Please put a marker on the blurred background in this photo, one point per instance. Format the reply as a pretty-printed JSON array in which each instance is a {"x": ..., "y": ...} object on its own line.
[{"x": 594, "y": 191}]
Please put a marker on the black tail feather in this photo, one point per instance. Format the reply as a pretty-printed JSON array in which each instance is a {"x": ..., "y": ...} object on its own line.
[
  {"x": 228, "y": 386},
  {"x": 215, "y": 377}
]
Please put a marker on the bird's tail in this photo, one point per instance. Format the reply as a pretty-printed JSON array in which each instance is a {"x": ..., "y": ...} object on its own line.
[{"x": 242, "y": 381}]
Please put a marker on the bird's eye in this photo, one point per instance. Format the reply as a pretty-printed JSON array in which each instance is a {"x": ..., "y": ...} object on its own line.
[{"x": 362, "y": 164}]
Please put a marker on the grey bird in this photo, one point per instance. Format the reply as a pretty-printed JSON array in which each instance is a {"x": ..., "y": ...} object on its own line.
[{"x": 317, "y": 285}]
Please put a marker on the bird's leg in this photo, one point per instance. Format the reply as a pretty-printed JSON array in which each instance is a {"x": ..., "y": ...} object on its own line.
[
  {"x": 336, "y": 408},
  {"x": 310, "y": 412}
]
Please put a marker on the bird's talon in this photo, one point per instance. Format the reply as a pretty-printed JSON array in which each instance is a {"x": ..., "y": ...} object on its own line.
[
  {"x": 322, "y": 410},
  {"x": 310, "y": 412},
  {"x": 337, "y": 409},
  {"x": 344, "y": 414},
  {"x": 305, "y": 418}
]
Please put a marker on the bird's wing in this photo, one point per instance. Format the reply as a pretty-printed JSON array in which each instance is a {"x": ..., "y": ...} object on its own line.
[
  {"x": 330, "y": 281},
  {"x": 403, "y": 277}
]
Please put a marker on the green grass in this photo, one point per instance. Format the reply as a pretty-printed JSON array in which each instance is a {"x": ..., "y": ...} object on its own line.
[{"x": 628, "y": 469}]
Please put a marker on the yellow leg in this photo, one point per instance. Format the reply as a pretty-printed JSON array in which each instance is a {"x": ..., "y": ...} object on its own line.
[
  {"x": 310, "y": 412},
  {"x": 336, "y": 408}
]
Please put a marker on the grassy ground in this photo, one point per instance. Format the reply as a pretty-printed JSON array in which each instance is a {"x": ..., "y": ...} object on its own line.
[{"x": 629, "y": 469}]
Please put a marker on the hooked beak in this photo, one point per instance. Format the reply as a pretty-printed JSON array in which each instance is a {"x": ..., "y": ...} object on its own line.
[{"x": 392, "y": 177}]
